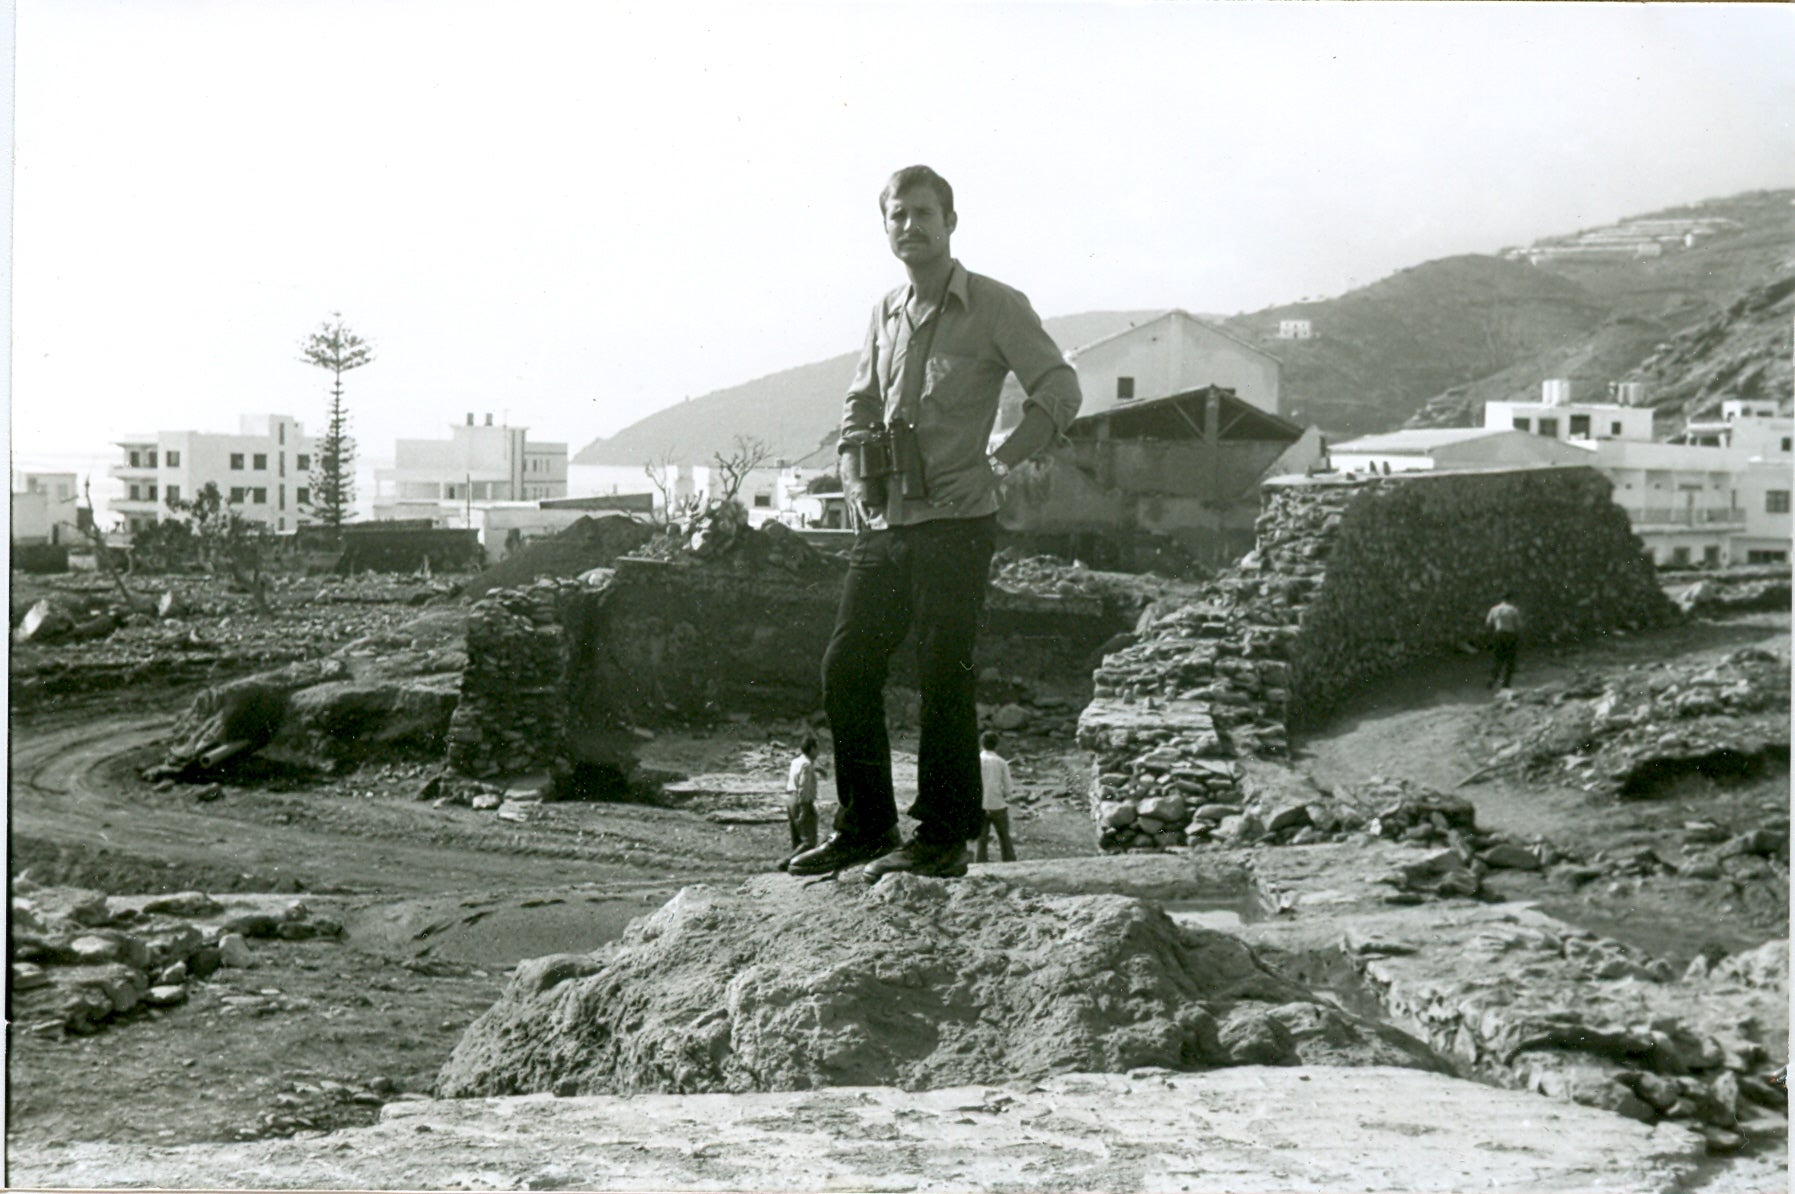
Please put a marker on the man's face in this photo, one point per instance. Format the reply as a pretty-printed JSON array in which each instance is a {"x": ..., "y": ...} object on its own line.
[{"x": 916, "y": 227}]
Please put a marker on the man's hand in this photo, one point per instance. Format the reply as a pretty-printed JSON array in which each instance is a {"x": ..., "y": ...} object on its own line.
[{"x": 853, "y": 487}]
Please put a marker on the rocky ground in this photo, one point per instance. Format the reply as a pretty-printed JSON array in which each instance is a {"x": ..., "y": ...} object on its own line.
[{"x": 348, "y": 929}]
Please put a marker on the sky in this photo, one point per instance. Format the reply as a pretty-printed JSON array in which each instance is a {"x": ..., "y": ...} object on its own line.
[{"x": 573, "y": 214}]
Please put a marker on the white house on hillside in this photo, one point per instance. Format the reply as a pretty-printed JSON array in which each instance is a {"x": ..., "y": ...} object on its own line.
[
  {"x": 44, "y": 511},
  {"x": 1173, "y": 353}
]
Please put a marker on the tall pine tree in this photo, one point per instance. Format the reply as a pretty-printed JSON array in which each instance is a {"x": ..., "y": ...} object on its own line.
[{"x": 334, "y": 347}]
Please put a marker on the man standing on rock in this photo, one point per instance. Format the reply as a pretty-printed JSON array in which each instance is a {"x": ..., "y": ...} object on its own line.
[
  {"x": 1504, "y": 622},
  {"x": 914, "y": 434}
]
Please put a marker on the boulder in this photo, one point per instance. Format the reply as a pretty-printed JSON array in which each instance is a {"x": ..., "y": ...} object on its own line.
[{"x": 914, "y": 983}]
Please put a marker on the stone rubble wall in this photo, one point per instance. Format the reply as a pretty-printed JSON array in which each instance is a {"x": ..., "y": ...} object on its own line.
[
  {"x": 521, "y": 660},
  {"x": 1351, "y": 580},
  {"x": 561, "y": 669}
]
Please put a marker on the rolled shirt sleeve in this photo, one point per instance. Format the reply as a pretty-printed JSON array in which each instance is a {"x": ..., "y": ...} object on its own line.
[
  {"x": 864, "y": 408},
  {"x": 1038, "y": 363}
]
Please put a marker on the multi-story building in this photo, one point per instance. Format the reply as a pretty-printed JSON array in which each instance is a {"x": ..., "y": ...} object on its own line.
[
  {"x": 443, "y": 480},
  {"x": 46, "y": 510},
  {"x": 1762, "y": 432},
  {"x": 1557, "y": 416},
  {"x": 263, "y": 471}
]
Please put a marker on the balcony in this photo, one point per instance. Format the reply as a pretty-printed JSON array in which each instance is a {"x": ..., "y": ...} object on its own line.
[
  {"x": 132, "y": 472},
  {"x": 1684, "y": 517}
]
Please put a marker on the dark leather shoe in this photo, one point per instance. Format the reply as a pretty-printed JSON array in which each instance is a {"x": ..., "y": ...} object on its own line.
[
  {"x": 920, "y": 858},
  {"x": 839, "y": 853}
]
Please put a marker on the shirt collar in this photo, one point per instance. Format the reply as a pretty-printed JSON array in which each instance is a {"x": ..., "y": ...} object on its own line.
[{"x": 958, "y": 287}]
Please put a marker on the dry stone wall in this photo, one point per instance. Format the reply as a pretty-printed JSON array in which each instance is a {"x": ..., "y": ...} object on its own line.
[
  {"x": 1351, "y": 580},
  {"x": 561, "y": 671}
]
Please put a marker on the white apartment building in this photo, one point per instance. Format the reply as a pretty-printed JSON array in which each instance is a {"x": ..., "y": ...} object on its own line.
[
  {"x": 1556, "y": 416},
  {"x": 44, "y": 511},
  {"x": 443, "y": 480},
  {"x": 1715, "y": 494},
  {"x": 263, "y": 470}
]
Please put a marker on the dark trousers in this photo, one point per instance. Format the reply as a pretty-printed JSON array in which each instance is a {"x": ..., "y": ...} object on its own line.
[
  {"x": 803, "y": 823},
  {"x": 1505, "y": 646},
  {"x": 998, "y": 819},
  {"x": 932, "y": 575}
]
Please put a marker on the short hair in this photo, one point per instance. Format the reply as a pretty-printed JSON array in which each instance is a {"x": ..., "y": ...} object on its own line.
[
  {"x": 988, "y": 739},
  {"x": 915, "y": 176},
  {"x": 809, "y": 744}
]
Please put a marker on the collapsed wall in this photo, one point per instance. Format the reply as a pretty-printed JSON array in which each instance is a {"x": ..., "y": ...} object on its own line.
[
  {"x": 560, "y": 672},
  {"x": 1350, "y": 581}
]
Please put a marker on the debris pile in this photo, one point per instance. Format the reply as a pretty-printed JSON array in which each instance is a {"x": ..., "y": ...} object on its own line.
[
  {"x": 1717, "y": 595},
  {"x": 1630, "y": 733},
  {"x": 78, "y": 963},
  {"x": 1595, "y": 1021},
  {"x": 913, "y": 983},
  {"x": 1350, "y": 580},
  {"x": 587, "y": 544}
]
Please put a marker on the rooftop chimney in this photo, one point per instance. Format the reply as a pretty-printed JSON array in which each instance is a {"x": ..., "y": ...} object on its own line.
[
  {"x": 489, "y": 418},
  {"x": 470, "y": 418}
]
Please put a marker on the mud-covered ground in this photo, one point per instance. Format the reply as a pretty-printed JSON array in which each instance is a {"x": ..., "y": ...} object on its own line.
[{"x": 439, "y": 902}]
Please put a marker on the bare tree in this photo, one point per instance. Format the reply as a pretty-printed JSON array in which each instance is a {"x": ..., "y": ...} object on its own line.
[
  {"x": 334, "y": 347},
  {"x": 663, "y": 474},
  {"x": 747, "y": 454}
]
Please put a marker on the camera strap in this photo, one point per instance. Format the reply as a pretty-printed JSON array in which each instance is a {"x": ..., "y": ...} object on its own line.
[{"x": 912, "y": 369}]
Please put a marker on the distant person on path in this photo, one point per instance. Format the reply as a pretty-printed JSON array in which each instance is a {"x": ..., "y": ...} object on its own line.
[
  {"x": 800, "y": 800},
  {"x": 1504, "y": 622},
  {"x": 998, "y": 788},
  {"x": 915, "y": 465}
]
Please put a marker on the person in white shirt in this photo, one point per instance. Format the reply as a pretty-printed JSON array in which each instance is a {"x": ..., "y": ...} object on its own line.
[
  {"x": 800, "y": 800},
  {"x": 994, "y": 773},
  {"x": 1504, "y": 622}
]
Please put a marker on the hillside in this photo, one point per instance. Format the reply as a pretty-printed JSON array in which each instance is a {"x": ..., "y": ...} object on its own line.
[
  {"x": 1696, "y": 301},
  {"x": 1381, "y": 351},
  {"x": 1696, "y": 324},
  {"x": 795, "y": 411}
]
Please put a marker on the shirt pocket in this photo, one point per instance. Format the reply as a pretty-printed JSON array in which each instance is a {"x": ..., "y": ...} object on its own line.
[{"x": 951, "y": 379}]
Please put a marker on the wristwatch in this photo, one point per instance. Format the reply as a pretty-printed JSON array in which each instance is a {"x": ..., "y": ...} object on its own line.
[{"x": 999, "y": 469}]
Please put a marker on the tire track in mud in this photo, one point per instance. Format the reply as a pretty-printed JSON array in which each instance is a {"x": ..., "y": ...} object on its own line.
[{"x": 60, "y": 795}]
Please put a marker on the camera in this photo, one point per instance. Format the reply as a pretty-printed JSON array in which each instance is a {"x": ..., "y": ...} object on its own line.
[{"x": 887, "y": 452}]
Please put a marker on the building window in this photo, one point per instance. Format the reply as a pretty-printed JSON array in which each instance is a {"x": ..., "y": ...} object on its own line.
[
  {"x": 172, "y": 458},
  {"x": 303, "y": 495},
  {"x": 1679, "y": 556},
  {"x": 1579, "y": 426},
  {"x": 259, "y": 496},
  {"x": 149, "y": 492},
  {"x": 1549, "y": 427},
  {"x": 1711, "y": 555},
  {"x": 1124, "y": 388},
  {"x": 172, "y": 494},
  {"x": 132, "y": 492},
  {"x": 763, "y": 501},
  {"x": 237, "y": 461},
  {"x": 303, "y": 462},
  {"x": 260, "y": 463},
  {"x": 135, "y": 459},
  {"x": 236, "y": 495},
  {"x": 1766, "y": 557},
  {"x": 280, "y": 430},
  {"x": 1776, "y": 501},
  {"x": 149, "y": 460},
  {"x": 1785, "y": 443},
  {"x": 1614, "y": 429},
  {"x": 1523, "y": 424}
]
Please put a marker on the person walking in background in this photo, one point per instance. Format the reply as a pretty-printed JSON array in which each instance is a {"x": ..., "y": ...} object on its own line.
[
  {"x": 994, "y": 777},
  {"x": 1504, "y": 623},
  {"x": 800, "y": 800},
  {"x": 917, "y": 466}
]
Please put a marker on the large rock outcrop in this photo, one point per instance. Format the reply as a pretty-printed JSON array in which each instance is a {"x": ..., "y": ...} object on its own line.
[{"x": 913, "y": 983}]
